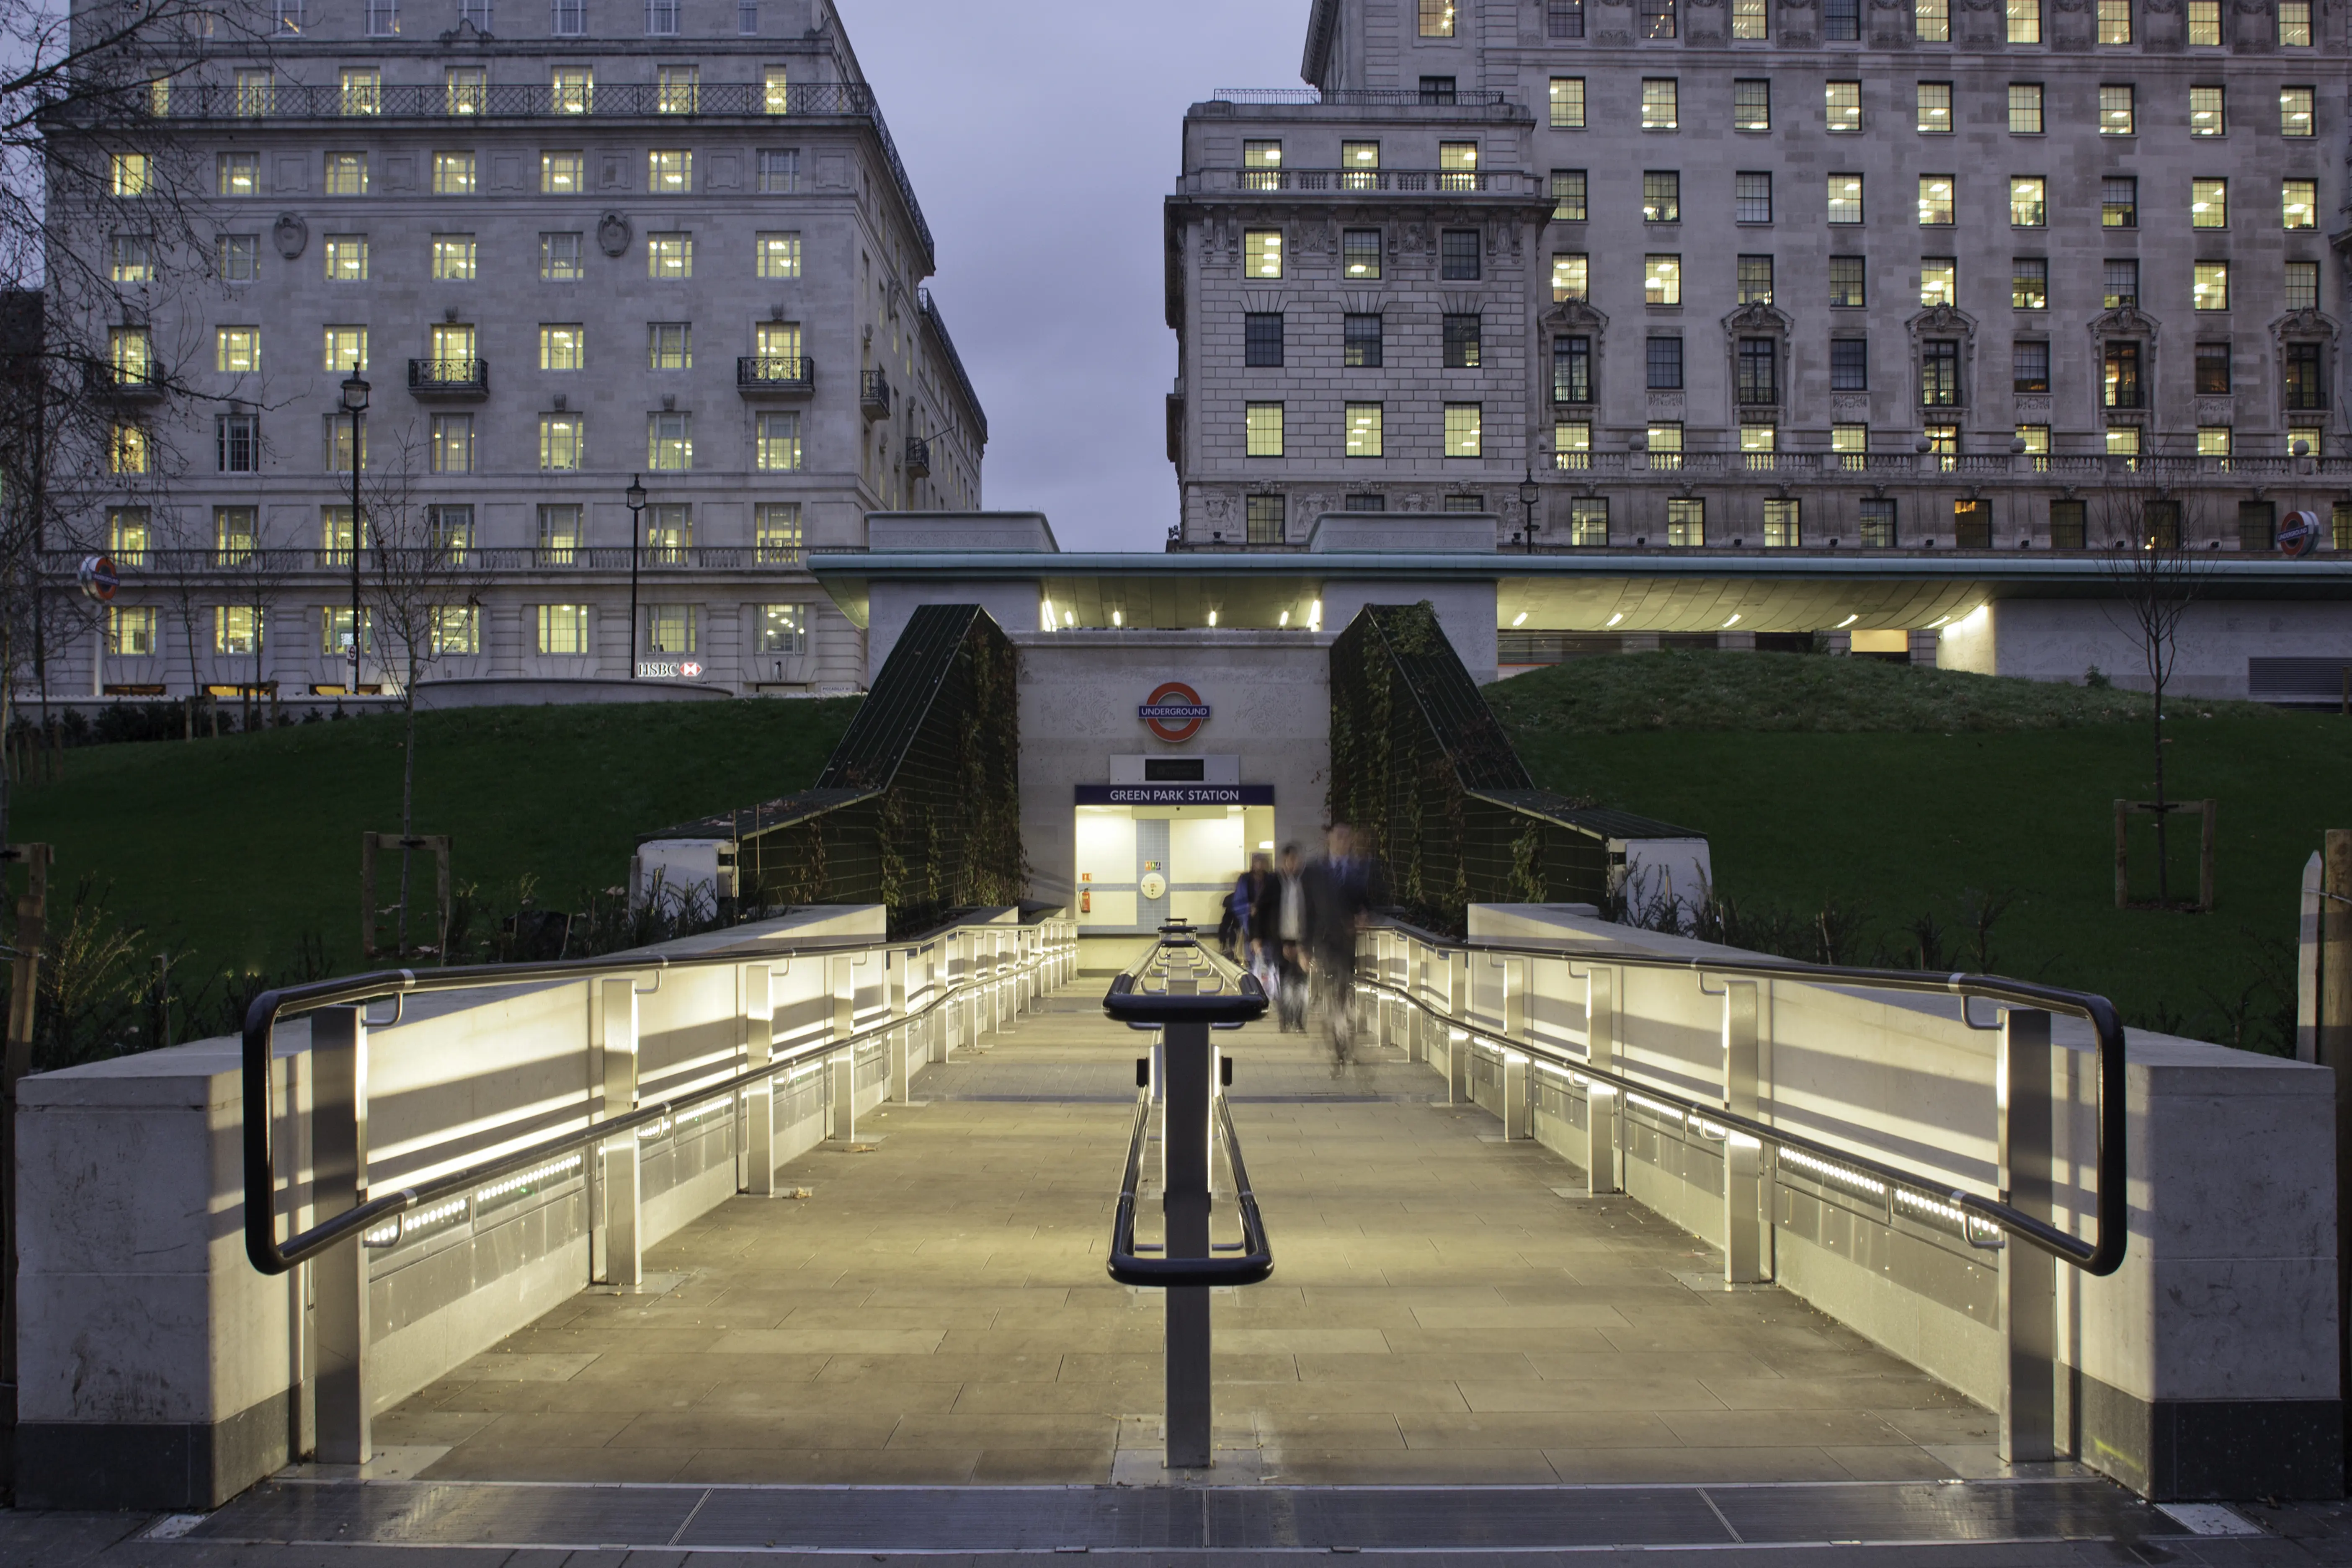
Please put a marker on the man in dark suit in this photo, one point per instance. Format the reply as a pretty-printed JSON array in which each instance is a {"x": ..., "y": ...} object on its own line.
[{"x": 1338, "y": 890}]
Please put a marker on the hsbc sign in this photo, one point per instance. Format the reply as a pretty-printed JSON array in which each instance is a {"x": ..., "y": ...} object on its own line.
[{"x": 669, "y": 669}]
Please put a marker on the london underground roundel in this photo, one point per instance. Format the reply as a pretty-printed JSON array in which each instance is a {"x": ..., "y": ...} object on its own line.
[
  {"x": 2298, "y": 534},
  {"x": 1173, "y": 712}
]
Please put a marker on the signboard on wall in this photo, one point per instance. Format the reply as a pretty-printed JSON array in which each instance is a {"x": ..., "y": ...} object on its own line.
[
  {"x": 1173, "y": 712},
  {"x": 1175, "y": 794}
]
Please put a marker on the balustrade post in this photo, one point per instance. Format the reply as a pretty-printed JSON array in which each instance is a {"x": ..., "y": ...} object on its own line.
[
  {"x": 624, "y": 1259},
  {"x": 1747, "y": 1228},
  {"x": 1604, "y": 1142},
  {"x": 760, "y": 1100},
  {"x": 841, "y": 1065},
  {"x": 339, "y": 1144},
  {"x": 1517, "y": 1109},
  {"x": 2028, "y": 1276}
]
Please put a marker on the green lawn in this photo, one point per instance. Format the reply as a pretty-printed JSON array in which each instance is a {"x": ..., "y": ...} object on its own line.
[
  {"x": 1896, "y": 794},
  {"x": 235, "y": 851}
]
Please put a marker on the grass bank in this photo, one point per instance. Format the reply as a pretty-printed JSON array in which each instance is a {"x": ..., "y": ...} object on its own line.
[{"x": 1903, "y": 803}]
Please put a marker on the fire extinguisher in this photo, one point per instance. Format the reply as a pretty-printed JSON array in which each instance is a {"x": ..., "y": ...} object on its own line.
[{"x": 1086, "y": 900}]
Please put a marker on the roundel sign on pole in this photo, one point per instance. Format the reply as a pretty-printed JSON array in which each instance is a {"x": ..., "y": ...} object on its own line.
[
  {"x": 2298, "y": 534},
  {"x": 1173, "y": 712},
  {"x": 98, "y": 577}
]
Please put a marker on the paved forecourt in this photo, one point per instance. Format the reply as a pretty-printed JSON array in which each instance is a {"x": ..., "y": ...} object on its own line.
[{"x": 1446, "y": 1308}]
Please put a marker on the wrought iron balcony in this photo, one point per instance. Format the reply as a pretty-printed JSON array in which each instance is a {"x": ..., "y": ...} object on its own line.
[
  {"x": 874, "y": 395},
  {"x": 918, "y": 458},
  {"x": 449, "y": 378},
  {"x": 775, "y": 375},
  {"x": 1369, "y": 182}
]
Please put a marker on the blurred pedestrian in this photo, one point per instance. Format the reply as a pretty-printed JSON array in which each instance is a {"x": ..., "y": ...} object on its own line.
[
  {"x": 1278, "y": 928},
  {"x": 1233, "y": 930},
  {"x": 1340, "y": 894}
]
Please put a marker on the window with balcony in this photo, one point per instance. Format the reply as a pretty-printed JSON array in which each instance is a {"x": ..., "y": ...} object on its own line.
[
  {"x": 2029, "y": 283},
  {"x": 677, "y": 89},
  {"x": 669, "y": 534},
  {"x": 2294, "y": 110},
  {"x": 1931, "y": 21},
  {"x": 1751, "y": 196},
  {"x": 1661, "y": 357},
  {"x": 1662, "y": 196},
  {"x": 1759, "y": 367},
  {"x": 1663, "y": 442},
  {"x": 1262, "y": 339},
  {"x": 1436, "y": 89},
  {"x": 2117, "y": 112},
  {"x": 1361, "y": 346},
  {"x": 2119, "y": 380},
  {"x": 1261, "y": 429},
  {"x": 234, "y": 535},
  {"x": 1660, "y": 97},
  {"x": 1463, "y": 423},
  {"x": 1457, "y": 166},
  {"x": 1849, "y": 365},
  {"x": 360, "y": 89},
  {"x": 2029, "y": 366},
  {"x": 775, "y": 90},
  {"x": 1262, "y": 253},
  {"x": 1935, "y": 200},
  {"x": 1755, "y": 279},
  {"x": 129, "y": 534},
  {"x": 2303, "y": 286},
  {"x": 1848, "y": 281},
  {"x": 1662, "y": 279},
  {"x": 1571, "y": 369},
  {"x": 257, "y": 94},
  {"x": 1458, "y": 256},
  {"x": 2209, "y": 286},
  {"x": 572, "y": 90},
  {"x": 1849, "y": 445},
  {"x": 1261, "y": 166},
  {"x": 131, "y": 355},
  {"x": 465, "y": 90},
  {"x": 2028, "y": 206},
  {"x": 1571, "y": 276},
  {"x": 1938, "y": 281},
  {"x": 559, "y": 259},
  {"x": 776, "y": 536},
  {"x": 1934, "y": 109},
  {"x": 1752, "y": 104},
  {"x": 669, "y": 257},
  {"x": 1361, "y": 425},
  {"x": 1939, "y": 373},
  {"x": 2119, "y": 201},
  {"x": 2205, "y": 24}
]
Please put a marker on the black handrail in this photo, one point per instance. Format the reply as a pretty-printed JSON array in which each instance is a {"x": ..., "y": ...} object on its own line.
[
  {"x": 268, "y": 1254},
  {"x": 2098, "y": 1258}
]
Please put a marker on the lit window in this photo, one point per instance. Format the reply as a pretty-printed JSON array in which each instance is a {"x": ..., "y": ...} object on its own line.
[
  {"x": 130, "y": 629},
  {"x": 236, "y": 628},
  {"x": 2294, "y": 24},
  {"x": 564, "y": 629},
  {"x": 2209, "y": 204},
  {"x": 1457, "y": 165},
  {"x": 2302, "y": 285},
  {"x": 236, "y": 255},
  {"x": 2029, "y": 283},
  {"x": 2024, "y": 21},
  {"x": 453, "y": 443},
  {"x": 2206, "y": 111},
  {"x": 669, "y": 255},
  {"x": 257, "y": 94},
  {"x": 2027, "y": 205},
  {"x": 2211, "y": 288},
  {"x": 670, "y": 628},
  {"x": 1363, "y": 428},
  {"x": 1663, "y": 442},
  {"x": 453, "y": 258},
  {"x": 559, "y": 258},
  {"x": 1571, "y": 277},
  {"x": 1588, "y": 516},
  {"x": 1842, "y": 104},
  {"x": 288, "y": 17},
  {"x": 1752, "y": 104},
  {"x": 1261, "y": 426},
  {"x": 2205, "y": 24},
  {"x": 132, "y": 258},
  {"x": 1937, "y": 280},
  {"x": 1360, "y": 165},
  {"x": 775, "y": 90},
  {"x": 677, "y": 89},
  {"x": 1359, "y": 254},
  {"x": 1659, "y": 96},
  {"x": 2119, "y": 201},
  {"x": 2295, "y": 112},
  {"x": 2114, "y": 21},
  {"x": 783, "y": 628},
  {"x": 779, "y": 443},
  {"x": 1462, "y": 429},
  {"x": 2123, "y": 440},
  {"x": 453, "y": 174},
  {"x": 457, "y": 629},
  {"x": 1850, "y": 444},
  {"x": 1755, "y": 279},
  {"x": 2025, "y": 108},
  {"x": 670, "y": 345},
  {"x": 237, "y": 350},
  {"x": 347, "y": 174},
  {"x": 669, "y": 442},
  {"x": 1662, "y": 196},
  {"x": 2115, "y": 109},
  {"x": 1935, "y": 116},
  {"x": 1685, "y": 523},
  {"x": 466, "y": 90},
  {"x": 2119, "y": 384},
  {"x": 346, "y": 257},
  {"x": 360, "y": 92},
  {"x": 2299, "y": 204},
  {"x": 572, "y": 90},
  {"x": 1662, "y": 279},
  {"x": 1568, "y": 102},
  {"x": 1931, "y": 21},
  {"x": 1844, "y": 198},
  {"x": 126, "y": 449},
  {"x": 779, "y": 254},
  {"x": 238, "y": 175},
  {"x": 776, "y": 538},
  {"x": 563, "y": 347},
  {"x": 1261, "y": 166},
  {"x": 1262, "y": 253},
  {"x": 563, "y": 173},
  {"x": 2213, "y": 440},
  {"x": 560, "y": 439},
  {"x": 1781, "y": 530},
  {"x": 1935, "y": 200},
  {"x": 670, "y": 172},
  {"x": 1437, "y": 18}
]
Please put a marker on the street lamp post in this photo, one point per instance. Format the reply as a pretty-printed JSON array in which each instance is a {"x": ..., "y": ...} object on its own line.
[
  {"x": 355, "y": 402},
  {"x": 1530, "y": 493},
  {"x": 636, "y": 500}
]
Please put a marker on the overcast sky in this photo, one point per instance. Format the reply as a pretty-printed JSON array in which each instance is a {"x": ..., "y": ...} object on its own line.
[{"x": 1041, "y": 137}]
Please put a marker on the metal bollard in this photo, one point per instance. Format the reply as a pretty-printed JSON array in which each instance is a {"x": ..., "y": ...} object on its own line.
[
  {"x": 2029, "y": 1284},
  {"x": 624, "y": 1251},
  {"x": 339, "y": 1142},
  {"x": 1747, "y": 1228}
]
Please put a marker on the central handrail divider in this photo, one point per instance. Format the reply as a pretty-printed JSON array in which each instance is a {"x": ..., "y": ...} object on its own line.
[
  {"x": 2100, "y": 1257},
  {"x": 269, "y": 1255},
  {"x": 1187, "y": 1088}
]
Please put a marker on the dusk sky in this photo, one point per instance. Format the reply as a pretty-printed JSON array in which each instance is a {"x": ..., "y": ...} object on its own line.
[{"x": 1041, "y": 139}]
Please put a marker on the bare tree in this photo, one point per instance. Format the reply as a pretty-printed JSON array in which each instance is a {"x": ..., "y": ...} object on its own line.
[
  {"x": 2151, "y": 530},
  {"x": 421, "y": 586}
]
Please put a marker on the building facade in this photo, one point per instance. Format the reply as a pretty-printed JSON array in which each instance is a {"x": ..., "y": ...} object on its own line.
[
  {"x": 1761, "y": 275},
  {"x": 567, "y": 247}
]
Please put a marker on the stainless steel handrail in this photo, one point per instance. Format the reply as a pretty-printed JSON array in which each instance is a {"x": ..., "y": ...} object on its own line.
[
  {"x": 271, "y": 1256},
  {"x": 2100, "y": 1256}
]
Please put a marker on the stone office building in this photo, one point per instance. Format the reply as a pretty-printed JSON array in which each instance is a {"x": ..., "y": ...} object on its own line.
[
  {"x": 1764, "y": 275},
  {"x": 566, "y": 244}
]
